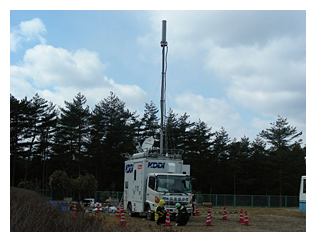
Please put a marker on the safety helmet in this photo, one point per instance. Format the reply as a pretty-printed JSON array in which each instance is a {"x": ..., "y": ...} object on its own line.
[{"x": 178, "y": 205}]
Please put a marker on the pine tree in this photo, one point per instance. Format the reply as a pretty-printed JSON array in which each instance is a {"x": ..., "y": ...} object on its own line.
[
  {"x": 72, "y": 135},
  {"x": 112, "y": 133},
  {"x": 150, "y": 122},
  {"x": 280, "y": 136},
  {"x": 198, "y": 155},
  {"x": 220, "y": 153},
  {"x": 18, "y": 124},
  {"x": 261, "y": 167}
]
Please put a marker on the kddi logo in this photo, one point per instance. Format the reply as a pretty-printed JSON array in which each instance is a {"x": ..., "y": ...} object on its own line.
[
  {"x": 129, "y": 168},
  {"x": 156, "y": 165}
]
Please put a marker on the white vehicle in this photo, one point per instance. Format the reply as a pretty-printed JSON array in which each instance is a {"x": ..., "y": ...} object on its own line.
[
  {"x": 151, "y": 177},
  {"x": 88, "y": 202},
  {"x": 302, "y": 198}
]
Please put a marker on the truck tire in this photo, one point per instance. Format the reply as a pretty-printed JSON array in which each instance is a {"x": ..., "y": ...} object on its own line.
[
  {"x": 150, "y": 215},
  {"x": 129, "y": 209}
]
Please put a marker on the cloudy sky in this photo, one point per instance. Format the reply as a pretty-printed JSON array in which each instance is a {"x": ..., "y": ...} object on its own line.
[{"x": 233, "y": 69}]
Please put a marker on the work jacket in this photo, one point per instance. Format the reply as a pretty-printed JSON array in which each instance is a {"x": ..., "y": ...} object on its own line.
[
  {"x": 183, "y": 216},
  {"x": 159, "y": 211}
]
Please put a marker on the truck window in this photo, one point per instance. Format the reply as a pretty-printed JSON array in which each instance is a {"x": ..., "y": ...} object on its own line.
[
  {"x": 126, "y": 184},
  {"x": 134, "y": 175},
  {"x": 151, "y": 182}
]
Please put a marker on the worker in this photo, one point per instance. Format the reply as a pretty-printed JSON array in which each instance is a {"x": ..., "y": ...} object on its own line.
[
  {"x": 183, "y": 215},
  {"x": 160, "y": 213}
]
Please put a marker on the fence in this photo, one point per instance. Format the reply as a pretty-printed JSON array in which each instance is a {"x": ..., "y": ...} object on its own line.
[
  {"x": 248, "y": 200},
  {"x": 216, "y": 199}
]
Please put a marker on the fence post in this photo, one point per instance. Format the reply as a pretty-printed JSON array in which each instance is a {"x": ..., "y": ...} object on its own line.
[
  {"x": 216, "y": 200},
  {"x": 285, "y": 201},
  {"x": 251, "y": 200},
  {"x": 269, "y": 202},
  {"x": 234, "y": 200}
]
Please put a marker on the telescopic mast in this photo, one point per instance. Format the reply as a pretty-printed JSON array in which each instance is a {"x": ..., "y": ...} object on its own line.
[{"x": 163, "y": 44}]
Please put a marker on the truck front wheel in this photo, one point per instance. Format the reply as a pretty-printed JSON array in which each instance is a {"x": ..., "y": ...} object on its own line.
[{"x": 150, "y": 215}]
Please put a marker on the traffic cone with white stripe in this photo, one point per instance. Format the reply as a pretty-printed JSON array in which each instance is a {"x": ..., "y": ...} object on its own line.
[
  {"x": 241, "y": 217},
  {"x": 118, "y": 211},
  {"x": 74, "y": 210},
  {"x": 246, "y": 222},
  {"x": 208, "y": 218},
  {"x": 98, "y": 209},
  {"x": 122, "y": 223},
  {"x": 167, "y": 221},
  {"x": 196, "y": 211},
  {"x": 224, "y": 214}
]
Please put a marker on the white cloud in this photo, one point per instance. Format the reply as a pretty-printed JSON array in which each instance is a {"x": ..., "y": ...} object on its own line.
[
  {"x": 268, "y": 80},
  {"x": 58, "y": 75},
  {"x": 50, "y": 66},
  {"x": 27, "y": 31},
  {"x": 261, "y": 124},
  {"x": 215, "y": 112}
]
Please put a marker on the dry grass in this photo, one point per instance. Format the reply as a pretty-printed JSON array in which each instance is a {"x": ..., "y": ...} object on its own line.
[
  {"x": 30, "y": 212},
  {"x": 260, "y": 220}
]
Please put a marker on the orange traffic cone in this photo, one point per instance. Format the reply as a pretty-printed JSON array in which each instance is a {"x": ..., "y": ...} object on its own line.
[
  {"x": 118, "y": 211},
  {"x": 209, "y": 211},
  {"x": 167, "y": 222},
  {"x": 224, "y": 214},
  {"x": 74, "y": 210},
  {"x": 196, "y": 211},
  {"x": 208, "y": 218},
  {"x": 241, "y": 217},
  {"x": 246, "y": 222},
  {"x": 98, "y": 209},
  {"x": 122, "y": 223}
]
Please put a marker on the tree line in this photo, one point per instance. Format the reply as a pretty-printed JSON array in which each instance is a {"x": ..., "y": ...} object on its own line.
[{"x": 79, "y": 140}]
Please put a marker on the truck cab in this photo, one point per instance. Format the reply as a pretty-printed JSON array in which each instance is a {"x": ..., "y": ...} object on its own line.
[{"x": 172, "y": 188}]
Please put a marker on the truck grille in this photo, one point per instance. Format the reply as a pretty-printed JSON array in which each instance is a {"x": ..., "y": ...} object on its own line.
[{"x": 174, "y": 203}]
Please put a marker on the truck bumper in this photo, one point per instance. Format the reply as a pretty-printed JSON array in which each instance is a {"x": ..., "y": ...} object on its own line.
[{"x": 174, "y": 210}]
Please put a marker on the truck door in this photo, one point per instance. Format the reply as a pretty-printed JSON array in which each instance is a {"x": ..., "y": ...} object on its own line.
[
  {"x": 151, "y": 192},
  {"x": 137, "y": 205}
]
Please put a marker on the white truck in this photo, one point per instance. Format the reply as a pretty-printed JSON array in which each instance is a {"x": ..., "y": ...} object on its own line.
[{"x": 150, "y": 177}]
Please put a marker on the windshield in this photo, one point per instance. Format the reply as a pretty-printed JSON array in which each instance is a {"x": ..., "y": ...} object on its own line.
[{"x": 173, "y": 183}]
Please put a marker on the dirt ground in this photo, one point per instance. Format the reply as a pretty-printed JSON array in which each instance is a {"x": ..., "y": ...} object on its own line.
[{"x": 260, "y": 220}]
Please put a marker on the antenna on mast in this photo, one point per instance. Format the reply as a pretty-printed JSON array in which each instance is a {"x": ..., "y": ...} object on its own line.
[{"x": 163, "y": 44}]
